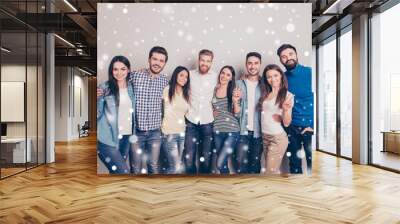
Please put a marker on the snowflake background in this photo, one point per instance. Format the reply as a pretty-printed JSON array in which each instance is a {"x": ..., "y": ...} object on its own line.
[{"x": 230, "y": 30}]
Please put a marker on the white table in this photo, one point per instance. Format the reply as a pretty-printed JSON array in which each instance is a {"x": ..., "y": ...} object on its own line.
[{"x": 18, "y": 145}]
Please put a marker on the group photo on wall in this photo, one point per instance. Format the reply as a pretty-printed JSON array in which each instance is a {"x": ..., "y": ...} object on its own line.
[{"x": 199, "y": 89}]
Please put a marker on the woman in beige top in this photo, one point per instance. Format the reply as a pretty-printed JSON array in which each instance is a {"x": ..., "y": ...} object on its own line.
[{"x": 176, "y": 97}]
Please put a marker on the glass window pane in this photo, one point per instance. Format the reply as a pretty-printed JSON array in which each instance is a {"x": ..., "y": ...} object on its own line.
[
  {"x": 327, "y": 97},
  {"x": 13, "y": 86},
  {"x": 385, "y": 84},
  {"x": 346, "y": 94},
  {"x": 31, "y": 97}
]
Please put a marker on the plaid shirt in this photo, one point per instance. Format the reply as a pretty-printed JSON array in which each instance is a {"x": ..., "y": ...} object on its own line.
[{"x": 148, "y": 93}]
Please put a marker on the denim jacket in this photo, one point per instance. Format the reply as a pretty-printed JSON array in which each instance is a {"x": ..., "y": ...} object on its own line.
[
  {"x": 107, "y": 115},
  {"x": 243, "y": 112}
]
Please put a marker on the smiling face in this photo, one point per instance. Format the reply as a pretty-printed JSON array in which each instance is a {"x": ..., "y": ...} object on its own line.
[
  {"x": 157, "y": 62},
  {"x": 288, "y": 58},
  {"x": 120, "y": 71},
  {"x": 253, "y": 65},
  {"x": 225, "y": 76},
  {"x": 182, "y": 78},
  {"x": 274, "y": 78},
  {"x": 205, "y": 62}
]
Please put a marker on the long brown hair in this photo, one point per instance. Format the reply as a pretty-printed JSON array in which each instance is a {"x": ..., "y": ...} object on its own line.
[
  {"x": 231, "y": 86},
  {"x": 266, "y": 88}
]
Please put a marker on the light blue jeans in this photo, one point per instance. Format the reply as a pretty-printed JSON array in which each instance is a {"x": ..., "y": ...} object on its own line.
[
  {"x": 225, "y": 143},
  {"x": 173, "y": 145},
  {"x": 146, "y": 152}
]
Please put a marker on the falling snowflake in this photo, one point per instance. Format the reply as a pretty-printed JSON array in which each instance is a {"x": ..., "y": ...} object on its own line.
[
  {"x": 249, "y": 30},
  {"x": 300, "y": 154},
  {"x": 180, "y": 33},
  {"x": 108, "y": 159},
  {"x": 189, "y": 38},
  {"x": 288, "y": 154},
  {"x": 306, "y": 53},
  {"x": 270, "y": 19},
  {"x": 167, "y": 9},
  {"x": 114, "y": 167},
  {"x": 133, "y": 139},
  {"x": 219, "y": 7},
  {"x": 202, "y": 159},
  {"x": 290, "y": 27},
  {"x": 110, "y": 6},
  {"x": 125, "y": 10},
  {"x": 139, "y": 151}
]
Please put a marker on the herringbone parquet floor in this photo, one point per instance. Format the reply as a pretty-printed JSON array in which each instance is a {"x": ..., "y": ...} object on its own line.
[{"x": 69, "y": 191}]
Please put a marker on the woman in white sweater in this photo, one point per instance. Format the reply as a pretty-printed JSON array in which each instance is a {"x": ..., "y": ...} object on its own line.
[{"x": 276, "y": 106}]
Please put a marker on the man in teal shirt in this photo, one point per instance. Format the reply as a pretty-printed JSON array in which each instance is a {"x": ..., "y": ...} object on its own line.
[{"x": 301, "y": 129}]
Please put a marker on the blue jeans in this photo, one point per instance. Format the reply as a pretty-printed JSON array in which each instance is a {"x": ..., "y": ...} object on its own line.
[
  {"x": 173, "y": 145},
  {"x": 115, "y": 158},
  {"x": 296, "y": 142},
  {"x": 198, "y": 137},
  {"x": 225, "y": 143},
  {"x": 248, "y": 154},
  {"x": 146, "y": 152}
]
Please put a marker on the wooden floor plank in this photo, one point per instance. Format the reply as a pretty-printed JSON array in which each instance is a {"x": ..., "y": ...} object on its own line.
[{"x": 70, "y": 191}]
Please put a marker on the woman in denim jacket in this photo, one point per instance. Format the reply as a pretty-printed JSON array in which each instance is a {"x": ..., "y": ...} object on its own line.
[{"x": 116, "y": 117}]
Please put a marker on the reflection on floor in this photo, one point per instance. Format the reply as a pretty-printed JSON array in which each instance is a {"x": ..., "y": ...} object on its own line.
[
  {"x": 10, "y": 169},
  {"x": 386, "y": 159}
]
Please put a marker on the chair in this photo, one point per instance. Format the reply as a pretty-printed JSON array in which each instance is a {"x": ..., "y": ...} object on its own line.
[{"x": 84, "y": 130}]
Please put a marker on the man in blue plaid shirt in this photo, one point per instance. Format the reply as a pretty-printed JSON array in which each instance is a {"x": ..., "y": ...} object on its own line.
[{"x": 148, "y": 87}]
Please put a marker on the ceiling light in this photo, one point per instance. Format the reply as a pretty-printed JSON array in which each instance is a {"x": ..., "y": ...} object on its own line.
[
  {"x": 5, "y": 50},
  {"x": 84, "y": 71},
  {"x": 70, "y": 5},
  {"x": 338, "y": 6},
  {"x": 64, "y": 40}
]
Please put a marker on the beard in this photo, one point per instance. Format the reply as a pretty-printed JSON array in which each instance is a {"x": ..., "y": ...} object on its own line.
[
  {"x": 290, "y": 66},
  {"x": 155, "y": 69},
  {"x": 253, "y": 72},
  {"x": 204, "y": 69}
]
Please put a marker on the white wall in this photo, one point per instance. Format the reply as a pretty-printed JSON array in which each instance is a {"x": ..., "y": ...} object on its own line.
[
  {"x": 230, "y": 30},
  {"x": 69, "y": 81}
]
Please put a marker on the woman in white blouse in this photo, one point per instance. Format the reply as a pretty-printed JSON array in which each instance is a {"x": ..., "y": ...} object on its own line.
[{"x": 276, "y": 106}]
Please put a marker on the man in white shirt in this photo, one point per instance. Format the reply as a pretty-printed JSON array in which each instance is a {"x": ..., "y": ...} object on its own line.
[
  {"x": 199, "y": 119},
  {"x": 248, "y": 151}
]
